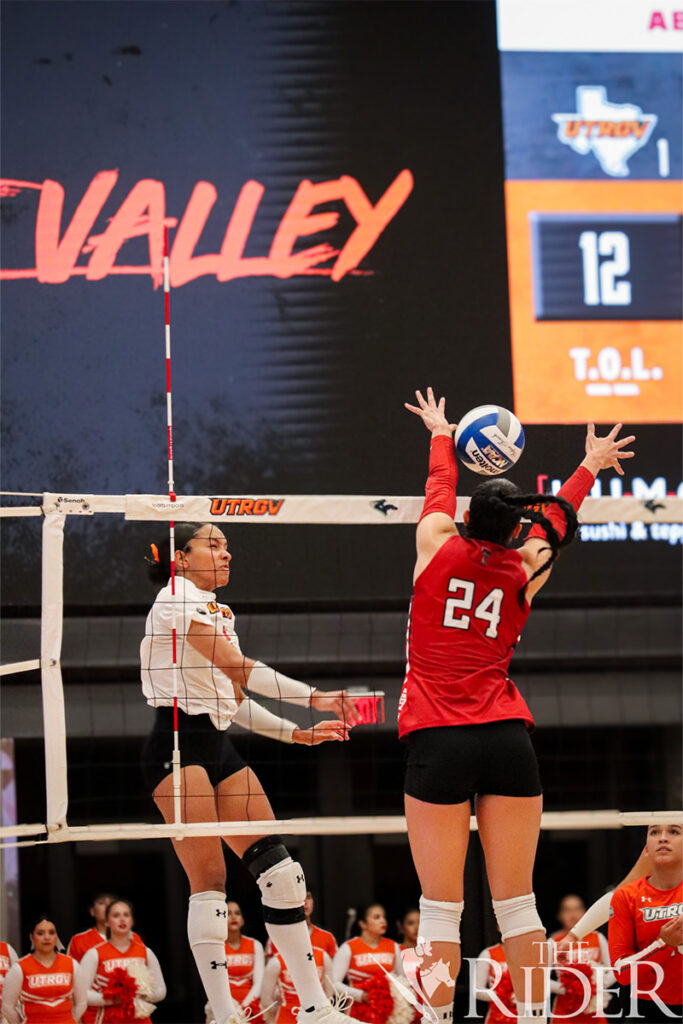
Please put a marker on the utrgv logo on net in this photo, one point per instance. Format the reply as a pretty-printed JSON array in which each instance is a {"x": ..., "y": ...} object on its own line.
[{"x": 246, "y": 506}]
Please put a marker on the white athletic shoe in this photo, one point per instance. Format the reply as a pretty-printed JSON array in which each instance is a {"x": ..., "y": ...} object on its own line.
[{"x": 328, "y": 1014}]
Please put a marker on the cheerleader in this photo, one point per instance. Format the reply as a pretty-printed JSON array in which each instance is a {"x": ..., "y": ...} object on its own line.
[
  {"x": 465, "y": 722},
  {"x": 357, "y": 959},
  {"x": 279, "y": 988},
  {"x": 191, "y": 648},
  {"x": 408, "y": 928},
  {"x": 122, "y": 949},
  {"x": 8, "y": 957},
  {"x": 47, "y": 986},
  {"x": 81, "y": 942},
  {"x": 646, "y": 929},
  {"x": 320, "y": 938},
  {"x": 592, "y": 950},
  {"x": 493, "y": 985},
  {"x": 245, "y": 959}
]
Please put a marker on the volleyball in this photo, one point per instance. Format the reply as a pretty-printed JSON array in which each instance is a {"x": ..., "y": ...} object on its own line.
[{"x": 489, "y": 439}]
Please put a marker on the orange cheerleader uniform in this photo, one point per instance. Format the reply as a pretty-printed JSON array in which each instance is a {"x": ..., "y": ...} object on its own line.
[
  {"x": 240, "y": 963},
  {"x": 320, "y": 939},
  {"x": 363, "y": 965},
  {"x": 5, "y": 963},
  {"x": 108, "y": 959},
  {"x": 47, "y": 992},
  {"x": 81, "y": 942},
  {"x": 588, "y": 951},
  {"x": 504, "y": 991},
  {"x": 290, "y": 1005}
]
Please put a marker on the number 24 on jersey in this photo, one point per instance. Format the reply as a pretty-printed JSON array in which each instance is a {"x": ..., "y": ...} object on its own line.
[{"x": 488, "y": 609}]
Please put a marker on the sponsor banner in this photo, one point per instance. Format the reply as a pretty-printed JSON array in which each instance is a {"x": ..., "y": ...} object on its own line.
[
  {"x": 603, "y": 26},
  {"x": 578, "y": 115}
]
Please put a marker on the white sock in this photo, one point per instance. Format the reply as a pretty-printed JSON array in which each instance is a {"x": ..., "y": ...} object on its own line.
[
  {"x": 294, "y": 943},
  {"x": 532, "y": 1013},
  {"x": 207, "y": 930}
]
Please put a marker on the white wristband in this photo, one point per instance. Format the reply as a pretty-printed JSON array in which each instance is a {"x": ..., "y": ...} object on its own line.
[{"x": 269, "y": 683}]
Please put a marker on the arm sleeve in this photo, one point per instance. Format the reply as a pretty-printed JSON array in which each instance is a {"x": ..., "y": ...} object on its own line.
[
  {"x": 89, "y": 971},
  {"x": 269, "y": 683},
  {"x": 442, "y": 479},
  {"x": 609, "y": 976},
  {"x": 596, "y": 915},
  {"x": 12, "y": 953},
  {"x": 256, "y": 718},
  {"x": 576, "y": 488},
  {"x": 481, "y": 977},
  {"x": 328, "y": 983},
  {"x": 80, "y": 998},
  {"x": 340, "y": 968},
  {"x": 398, "y": 961},
  {"x": 159, "y": 992},
  {"x": 269, "y": 983},
  {"x": 11, "y": 990},
  {"x": 259, "y": 963}
]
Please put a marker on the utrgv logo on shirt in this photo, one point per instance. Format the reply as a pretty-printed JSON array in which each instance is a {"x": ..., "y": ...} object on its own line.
[
  {"x": 613, "y": 132},
  {"x": 662, "y": 913}
]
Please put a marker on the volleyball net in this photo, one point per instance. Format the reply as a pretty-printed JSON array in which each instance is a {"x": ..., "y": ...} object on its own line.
[{"x": 361, "y": 647}]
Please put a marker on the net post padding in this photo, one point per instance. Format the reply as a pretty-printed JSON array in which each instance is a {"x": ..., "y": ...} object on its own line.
[{"x": 54, "y": 717}]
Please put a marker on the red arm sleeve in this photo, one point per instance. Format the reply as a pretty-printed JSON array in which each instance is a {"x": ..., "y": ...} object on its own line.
[
  {"x": 576, "y": 488},
  {"x": 443, "y": 476}
]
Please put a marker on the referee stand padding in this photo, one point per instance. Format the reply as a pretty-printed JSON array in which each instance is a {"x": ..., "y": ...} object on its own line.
[{"x": 257, "y": 509}]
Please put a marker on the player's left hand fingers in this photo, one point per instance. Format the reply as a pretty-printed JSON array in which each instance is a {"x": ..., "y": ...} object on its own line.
[
  {"x": 614, "y": 431},
  {"x": 624, "y": 440}
]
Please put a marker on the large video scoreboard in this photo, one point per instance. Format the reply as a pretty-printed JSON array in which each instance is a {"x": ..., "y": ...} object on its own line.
[{"x": 592, "y": 132}]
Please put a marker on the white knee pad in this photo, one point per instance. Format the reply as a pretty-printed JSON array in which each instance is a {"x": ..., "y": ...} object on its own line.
[
  {"x": 283, "y": 887},
  {"x": 517, "y": 916},
  {"x": 439, "y": 921},
  {"x": 207, "y": 919}
]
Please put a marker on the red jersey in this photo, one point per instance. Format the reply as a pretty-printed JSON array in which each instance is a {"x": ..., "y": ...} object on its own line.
[
  {"x": 240, "y": 963},
  {"x": 83, "y": 941},
  {"x": 464, "y": 622},
  {"x": 637, "y": 914},
  {"x": 5, "y": 964},
  {"x": 587, "y": 951},
  {"x": 47, "y": 992},
  {"x": 363, "y": 965},
  {"x": 108, "y": 959},
  {"x": 289, "y": 1007},
  {"x": 320, "y": 939}
]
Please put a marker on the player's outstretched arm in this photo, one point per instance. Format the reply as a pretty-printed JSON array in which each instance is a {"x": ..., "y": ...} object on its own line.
[
  {"x": 601, "y": 453},
  {"x": 436, "y": 522},
  {"x": 268, "y": 682}
]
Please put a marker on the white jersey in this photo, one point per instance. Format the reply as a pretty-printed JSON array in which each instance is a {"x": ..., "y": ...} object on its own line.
[{"x": 202, "y": 688}]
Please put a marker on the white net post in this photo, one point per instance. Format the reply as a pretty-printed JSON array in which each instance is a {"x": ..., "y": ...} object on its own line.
[{"x": 54, "y": 718}]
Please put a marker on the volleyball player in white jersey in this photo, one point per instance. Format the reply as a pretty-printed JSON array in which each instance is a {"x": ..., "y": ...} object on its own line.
[{"x": 217, "y": 784}]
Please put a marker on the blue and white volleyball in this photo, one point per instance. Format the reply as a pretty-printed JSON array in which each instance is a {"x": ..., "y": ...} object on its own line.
[{"x": 489, "y": 439}]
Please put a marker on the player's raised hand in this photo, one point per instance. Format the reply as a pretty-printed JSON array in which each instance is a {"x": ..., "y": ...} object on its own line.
[
  {"x": 337, "y": 702},
  {"x": 606, "y": 452},
  {"x": 330, "y": 729},
  {"x": 432, "y": 414}
]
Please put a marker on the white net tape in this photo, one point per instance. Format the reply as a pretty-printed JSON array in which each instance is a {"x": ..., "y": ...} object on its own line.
[{"x": 255, "y": 509}]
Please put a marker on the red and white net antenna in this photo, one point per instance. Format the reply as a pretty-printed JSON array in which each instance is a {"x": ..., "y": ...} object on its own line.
[{"x": 175, "y": 760}]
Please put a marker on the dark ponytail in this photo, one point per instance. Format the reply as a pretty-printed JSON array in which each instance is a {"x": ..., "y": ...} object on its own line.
[
  {"x": 159, "y": 558},
  {"x": 496, "y": 508}
]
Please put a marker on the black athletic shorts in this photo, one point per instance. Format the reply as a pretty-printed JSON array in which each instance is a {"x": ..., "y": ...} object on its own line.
[
  {"x": 200, "y": 742},
  {"x": 453, "y": 763}
]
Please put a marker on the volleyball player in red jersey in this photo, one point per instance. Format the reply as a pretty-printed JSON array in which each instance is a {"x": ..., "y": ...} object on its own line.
[
  {"x": 320, "y": 938},
  {"x": 122, "y": 949},
  {"x": 465, "y": 722},
  {"x": 646, "y": 929},
  {"x": 45, "y": 987}
]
